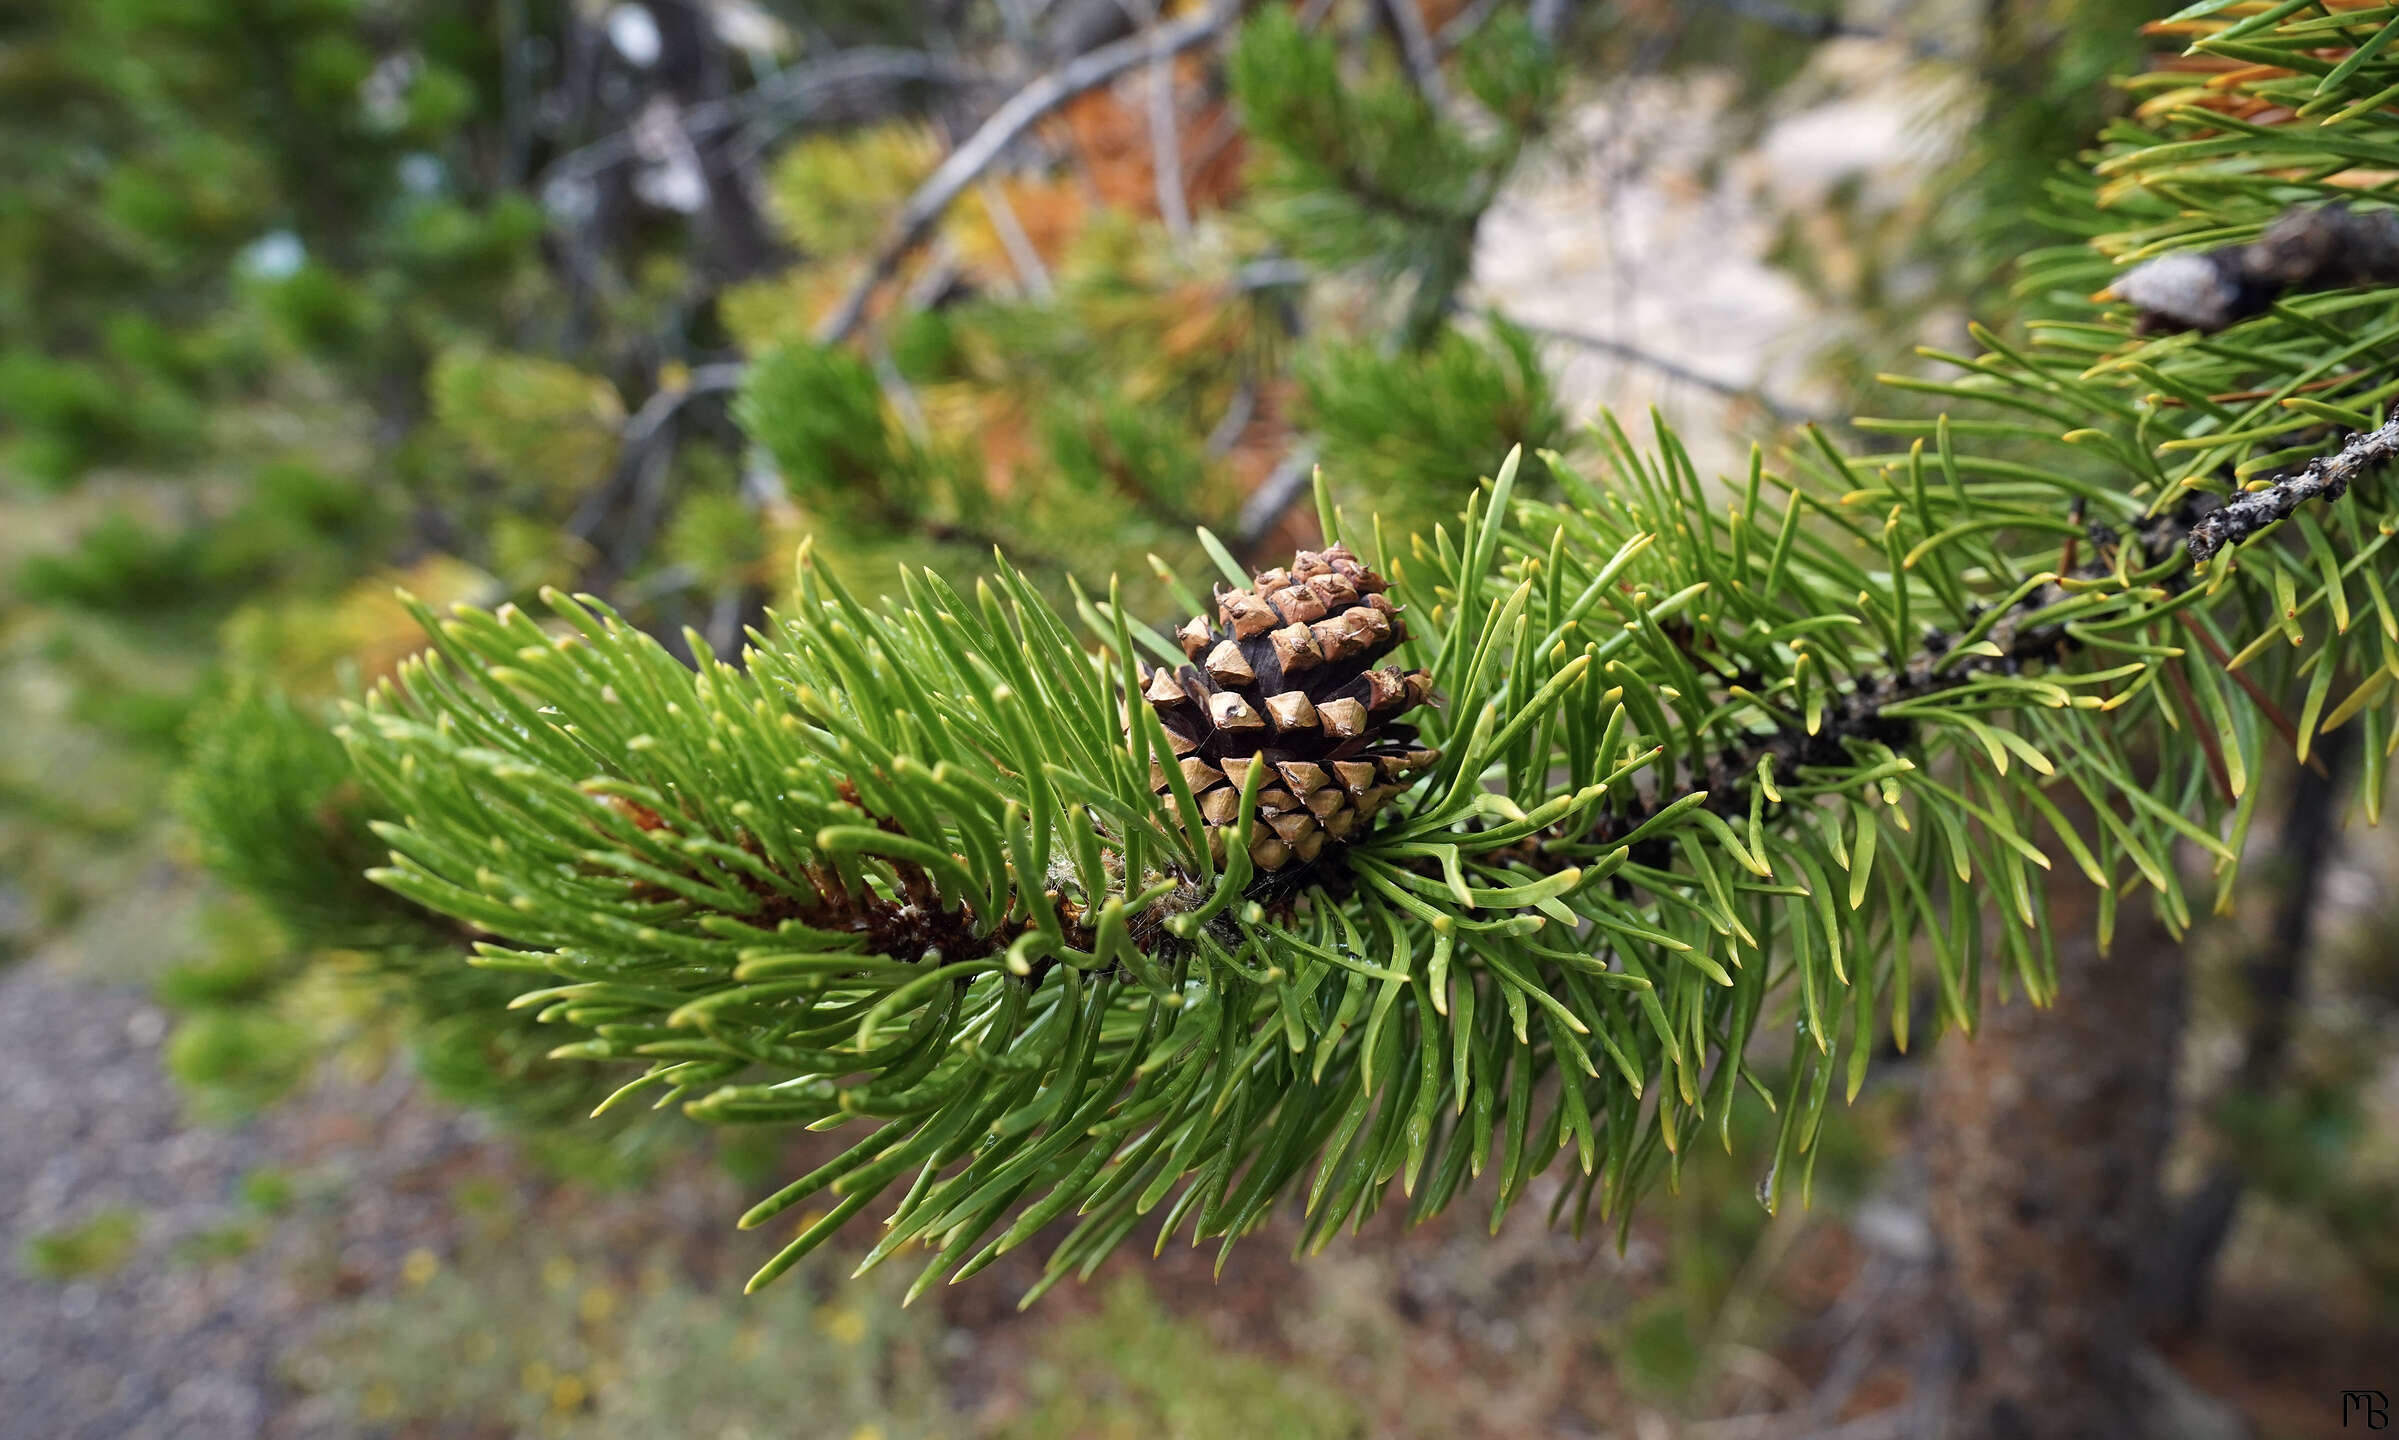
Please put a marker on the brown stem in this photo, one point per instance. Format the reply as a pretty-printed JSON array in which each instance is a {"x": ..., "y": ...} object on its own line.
[
  {"x": 2266, "y": 704},
  {"x": 2273, "y": 974},
  {"x": 2043, "y": 1135}
]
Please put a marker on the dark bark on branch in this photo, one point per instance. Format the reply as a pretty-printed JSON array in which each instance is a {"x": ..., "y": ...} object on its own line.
[
  {"x": 2321, "y": 247},
  {"x": 1856, "y": 714},
  {"x": 2273, "y": 975},
  {"x": 2327, "y": 477},
  {"x": 2043, "y": 1133}
]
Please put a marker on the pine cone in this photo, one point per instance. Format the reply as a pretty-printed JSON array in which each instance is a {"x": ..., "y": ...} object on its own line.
[{"x": 1287, "y": 679}]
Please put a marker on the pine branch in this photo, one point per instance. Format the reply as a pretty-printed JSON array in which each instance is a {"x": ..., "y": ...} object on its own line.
[
  {"x": 2325, "y": 478},
  {"x": 2012, "y": 645},
  {"x": 1940, "y": 667}
]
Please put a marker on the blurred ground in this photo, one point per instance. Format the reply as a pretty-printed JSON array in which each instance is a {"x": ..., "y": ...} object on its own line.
[
  {"x": 357, "y": 1256},
  {"x": 154, "y": 1297},
  {"x": 358, "y": 1260}
]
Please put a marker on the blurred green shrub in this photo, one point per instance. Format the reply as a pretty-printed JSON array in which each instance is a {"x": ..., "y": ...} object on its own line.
[
  {"x": 1135, "y": 1369},
  {"x": 99, "y": 1246}
]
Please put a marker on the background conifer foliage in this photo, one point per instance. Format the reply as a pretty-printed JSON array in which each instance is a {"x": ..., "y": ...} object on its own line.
[{"x": 1230, "y": 758}]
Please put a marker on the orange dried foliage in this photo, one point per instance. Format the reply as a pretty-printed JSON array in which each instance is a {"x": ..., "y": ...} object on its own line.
[
  {"x": 2221, "y": 81},
  {"x": 2194, "y": 64},
  {"x": 1051, "y": 213},
  {"x": 995, "y": 416},
  {"x": 2244, "y": 75},
  {"x": 1108, "y": 131}
]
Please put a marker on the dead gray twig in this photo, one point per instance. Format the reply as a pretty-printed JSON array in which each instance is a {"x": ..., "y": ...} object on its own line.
[
  {"x": 2308, "y": 247},
  {"x": 1784, "y": 412},
  {"x": 1416, "y": 46},
  {"x": 864, "y": 71},
  {"x": 932, "y": 199},
  {"x": 1022, "y": 257}
]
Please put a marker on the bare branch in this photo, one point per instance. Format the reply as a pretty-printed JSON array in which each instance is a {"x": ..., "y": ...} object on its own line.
[
  {"x": 2309, "y": 247},
  {"x": 1166, "y": 144},
  {"x": 2327, "y": 477},
  {"x": 864, "y": 71},
  {"x": 643, "y": 448},
  {"x": 925, "y": 208},
  {"x": 655, "y": 411},
  {"x": 1022, "y": 257},
  {"x": 1274, "y": 495},
  {"x": 1416, "y": 44},
  {"x": 1461, "y": 26},
  {"x": 1226, "y": 433},
  {"x": 1783, "y": 412}
]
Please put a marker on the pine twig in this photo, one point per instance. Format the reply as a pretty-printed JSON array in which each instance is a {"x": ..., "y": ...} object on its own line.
[
  {"x": 2309, "y": 247},
  {"x": 1857, "y": 713},
  {"x": 932, "y": 199},
  {"x": 2327, "y": 477}
]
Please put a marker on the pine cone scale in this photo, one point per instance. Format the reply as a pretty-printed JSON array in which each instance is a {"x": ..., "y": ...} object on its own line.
[{"x": 1288, "y": 676}]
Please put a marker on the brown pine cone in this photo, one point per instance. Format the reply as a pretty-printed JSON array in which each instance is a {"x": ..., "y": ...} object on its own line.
[{"x": 1287, "y": 678}]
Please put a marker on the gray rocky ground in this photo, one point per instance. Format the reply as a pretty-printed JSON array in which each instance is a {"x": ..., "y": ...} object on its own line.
[{"x": 181, "y": 1339}]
